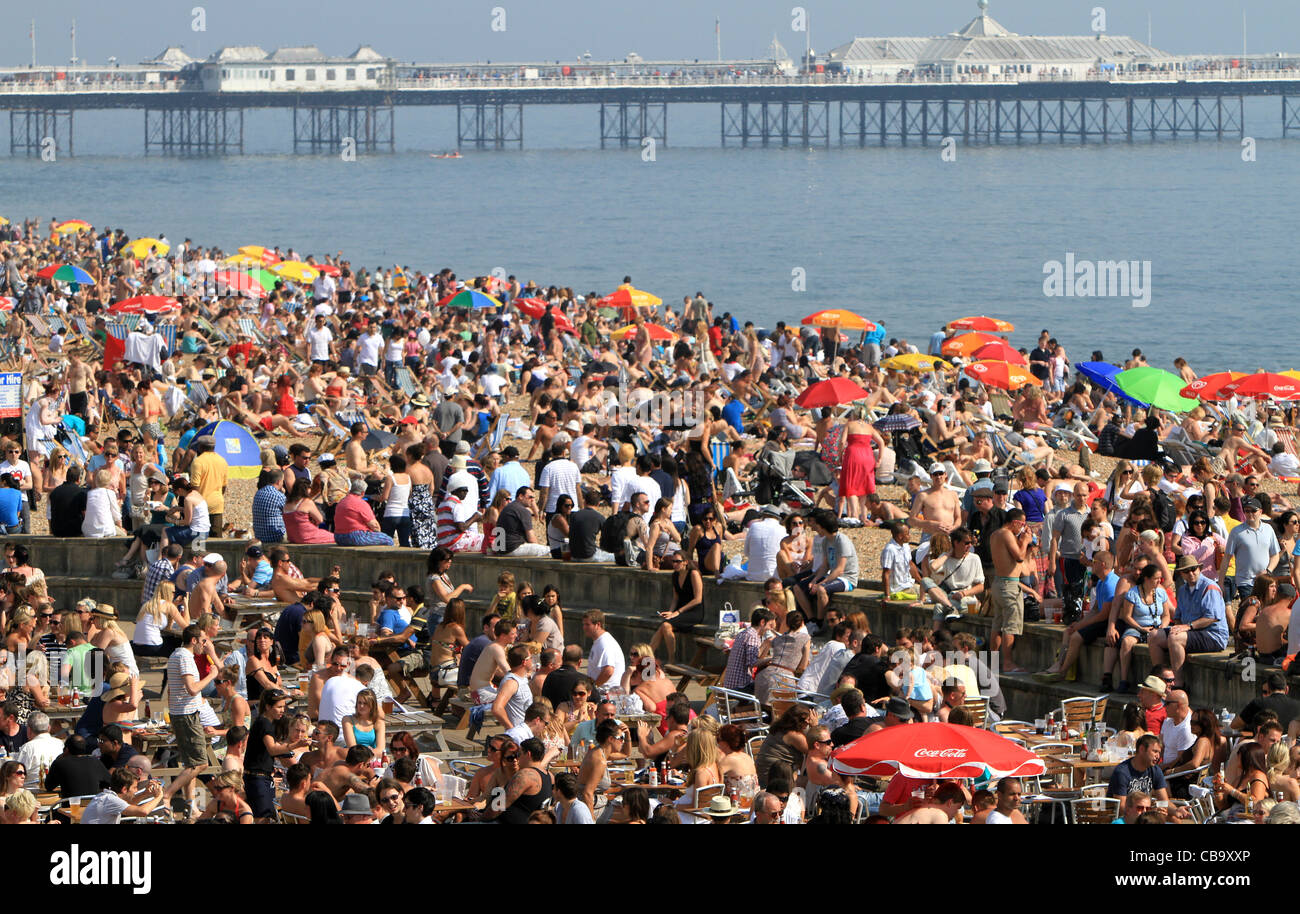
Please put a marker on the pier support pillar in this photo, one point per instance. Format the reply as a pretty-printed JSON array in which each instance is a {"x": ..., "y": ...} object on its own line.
[
  {"x": 337, "y": 128},
  {"x": 40, "y": 131},
  {"x": 630, "y": 123},
  {"x": 493, "y": 125},
  {"x": 1290, "y": 117},
  {"x": 194, "y": 131}
]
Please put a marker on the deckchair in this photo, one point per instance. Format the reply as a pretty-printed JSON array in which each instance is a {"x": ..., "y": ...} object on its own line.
[
  {"x": 491, "y": 441},
  {"x": 1001, "y": 402}
]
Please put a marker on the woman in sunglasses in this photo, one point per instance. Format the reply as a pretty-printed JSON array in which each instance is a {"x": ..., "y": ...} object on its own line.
[{"x": 687, "y": 610}]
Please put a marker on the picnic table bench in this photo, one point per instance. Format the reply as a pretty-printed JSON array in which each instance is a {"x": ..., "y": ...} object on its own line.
[
  {"x": 418, "y": 723},
  {"x": 688, "y": 673}
]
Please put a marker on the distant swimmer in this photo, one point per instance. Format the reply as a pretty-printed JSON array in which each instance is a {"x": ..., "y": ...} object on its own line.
[{"x": 445, "y": 155}]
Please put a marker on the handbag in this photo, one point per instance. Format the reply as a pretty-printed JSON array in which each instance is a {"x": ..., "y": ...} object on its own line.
[{"x": 446, "y": 673}]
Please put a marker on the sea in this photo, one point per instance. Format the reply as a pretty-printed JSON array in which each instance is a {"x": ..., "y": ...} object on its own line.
[{"x": 909, "y": 237}]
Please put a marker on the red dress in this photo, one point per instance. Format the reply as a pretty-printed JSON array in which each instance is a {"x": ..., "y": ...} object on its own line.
[{"x": 858, "y": 475}]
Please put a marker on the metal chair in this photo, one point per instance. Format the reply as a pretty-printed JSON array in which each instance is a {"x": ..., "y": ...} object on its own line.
[
  {"x": 1082, "y": 710},
  {"x": 290, "y": 818},
  {"x": 465, "y": 768},
  {"x": 1094, "y": 810}
]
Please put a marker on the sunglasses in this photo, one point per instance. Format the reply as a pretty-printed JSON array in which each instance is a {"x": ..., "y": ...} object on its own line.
[{"x": 513, "y": 757}]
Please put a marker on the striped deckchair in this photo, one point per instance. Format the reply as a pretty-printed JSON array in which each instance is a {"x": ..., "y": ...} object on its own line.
[
  {"x": 120, "y": 329},
  {"x": 131, "y": 320},
  {"x": 168, "y": 333},
  {"x": 249, "y": 326},
  {"x": 39, "y": 327},
  {"x": 56, "y": 324},
  {"x": 405, "y": 381},
  {"x": 720, "y": 451},
  {"x": 492, "y": 441},
  {"x": 291, "y": 307}
]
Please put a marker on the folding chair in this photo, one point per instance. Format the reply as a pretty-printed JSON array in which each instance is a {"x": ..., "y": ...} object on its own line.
[
  {"x": 405, "y": 382},
  {"x": 1094, "y": 810},
  {"x": 38, "y": 325},
  {"x": 493, "y": 440}
]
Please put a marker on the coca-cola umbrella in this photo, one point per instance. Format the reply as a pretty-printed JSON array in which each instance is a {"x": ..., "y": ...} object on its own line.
[
  {"x": 1264, "y": 385},
  {"x": 1209, "y": 387},
  {"x": 999, "y": 351},
  {"x": 237, "y": 281},
  {"x": 935, "y": 750},
  {"x": 145, "y": 304},
  {"x": 6, "y": 303},
  {"x": 562, "y": 323},
  {"x": 532, "y": 307}
]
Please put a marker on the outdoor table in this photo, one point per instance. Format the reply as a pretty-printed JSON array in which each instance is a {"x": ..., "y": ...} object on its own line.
[
  {"x": 633, "y": 719},
  {"x": 417, "y": 723},
  {"x": 1080, "y": 766},
  {"x": 148, "y": 736}
]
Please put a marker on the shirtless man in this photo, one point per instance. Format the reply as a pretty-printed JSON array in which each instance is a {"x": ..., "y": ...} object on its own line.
[
  {"x": 287, "y": 589},
  {"x": 324, "y": 753},
  {"x": 1007, "y": 546},
  {"x": 1236, "y": 445},
  {"x": 938, "y": 508},
  {"x": 492, "y": 664},
  {"x": 80, "y": 376},
  {"x": 944, "y": 809},
  {"x": 204, "y": 598},
  {"x": 1271, "y": 630},
  {"x": 298, "y": 780}
]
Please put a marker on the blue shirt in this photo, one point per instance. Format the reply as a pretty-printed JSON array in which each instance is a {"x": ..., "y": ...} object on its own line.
[
  {"x": 287, "y": 629},
  {"x": 732, "y": 413},
  {"x": 262, "y": 574},
  {"x": 509, "y": 476},
  {"x": 936, "y": 343},
  {"x": 391, "y": 619},
  {"x": 268, "y": 515},
  {"x": 876, "y": 336},
  {"x": 1105, "y": 592},
  {"x": 11, "y": 506},
  {"x": 186, "y": 439},
  {"x": 76, "y": 424},
  {"x": 1205, "y": 600}
]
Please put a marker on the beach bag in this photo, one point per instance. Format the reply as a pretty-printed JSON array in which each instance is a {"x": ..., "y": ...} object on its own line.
[
  {"x": 446, "y": 673},
  {"x": 613, "y": 532}
]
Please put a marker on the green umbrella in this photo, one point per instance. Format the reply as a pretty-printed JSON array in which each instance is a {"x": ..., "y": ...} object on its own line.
[
  {"x": 1156, "y": 387},
  {"x": 265, "y": 278}
]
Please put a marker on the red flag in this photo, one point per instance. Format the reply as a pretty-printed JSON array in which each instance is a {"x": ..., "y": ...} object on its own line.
[{"x": 114, "y": 352}]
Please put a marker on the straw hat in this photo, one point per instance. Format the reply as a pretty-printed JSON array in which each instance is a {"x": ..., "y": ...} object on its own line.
[{"x": 721, "y": 807}]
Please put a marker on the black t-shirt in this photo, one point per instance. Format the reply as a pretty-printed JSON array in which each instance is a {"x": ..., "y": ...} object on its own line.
[
  {"x": 1286, "y": 708},
  {"x": 76, "y": 776},
  {"x": 1039, "y": 355},
  {"x": 515, "y": 521},
  {"x": 256, "y": 758},
  {"x": 287, "y": 629},
  {"x": 558, "y": 686},
  {"x": 847, "y": 733},
  {"x": 983, "y": 530},
  {"x": 67, "y": 507},
  {"x": 469, "y": 656},
  {"x": 584, "y": 528},
  {"x": 869, "y": 673},
  {"x": 124, "y": 755},
  {"x": 12, "y": 744}
]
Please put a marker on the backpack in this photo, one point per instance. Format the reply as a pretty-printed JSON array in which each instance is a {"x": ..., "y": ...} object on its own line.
[
  {"x": 613, "y": 531},
  {"x": 1163, "y": 509}
]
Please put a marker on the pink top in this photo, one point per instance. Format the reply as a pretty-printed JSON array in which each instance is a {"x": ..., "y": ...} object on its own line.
[
  {"x": 300, "y": 529},
  {"x": 353, "y": 515}
]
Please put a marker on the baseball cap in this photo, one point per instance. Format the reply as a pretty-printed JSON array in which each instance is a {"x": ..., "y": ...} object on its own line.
[
  {"x": 326, "y": 458},
  {"x": 213, "y": 558},
  {"x": 254, "y": 552},
  {"x": 1251, "y": 504},
  {"x": 937, "y": 468}
]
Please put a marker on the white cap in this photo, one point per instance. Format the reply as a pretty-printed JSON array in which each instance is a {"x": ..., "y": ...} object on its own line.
[
  {"x": 460, "y": 481},
  {"x": 212, "y": 558}
]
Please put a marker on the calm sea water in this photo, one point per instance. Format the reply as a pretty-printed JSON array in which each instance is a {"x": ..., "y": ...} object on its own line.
[{"x": 896, "y": 234}]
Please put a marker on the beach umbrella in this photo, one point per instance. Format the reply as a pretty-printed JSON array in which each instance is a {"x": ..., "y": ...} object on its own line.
[
  {"x": 531, "y": 307},
  {"x": 3, "y": 221},
  {"x": 1155, "y": 386},
  {"x": 236, "y": 281},
  {"x": 967, "y": 343},
  {"x": 47, "y": 272},
  {"x": 607, "y": 313},
  {"x": 986, "y": 324},
  {"x": 1102, "y": 374},
  {"x": 1001, "y": 374},
  {"x": 145, "y": 304},
  {"x": 295, "y": 270},
  {"x": 915, "y": 361},
  {"x": 628, "y": 297},
  {"x": 562, "y": 323},
  {"x": 69, "y": 273},
  {"x": 897, "y": 422},
  {"x": 328, "y": 269},
  {"x": 238, "y": 446},
  {"x": 469, "y": 298},
  {"x": 935, "y": 750},
  {"x": 657, "y": 332},
  {"x": 6, "y": 303},
  {"x": 1000, "y": 351},
  {"x": 260, "y": 254},
  {"x": 1264, "y": 385},
  {"x": 831, "y": 392},
  {"x": 72, "y": 225},
  {"x": 243, "y": 260},
  {"x": 1208, "y": 387},
  {"x": 837, "y": 317},
  {"x": 140, "y": 247}
]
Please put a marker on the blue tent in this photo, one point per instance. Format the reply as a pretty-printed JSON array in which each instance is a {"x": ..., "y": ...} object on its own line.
[
  {"x": 238, "y": 446},
  {"x": 1103, "y": 375}
]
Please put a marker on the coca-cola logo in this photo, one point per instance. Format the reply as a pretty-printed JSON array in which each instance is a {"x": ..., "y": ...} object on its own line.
[
  {"x": 940, "y": 753},
  {"x": 978, "y": 368}
]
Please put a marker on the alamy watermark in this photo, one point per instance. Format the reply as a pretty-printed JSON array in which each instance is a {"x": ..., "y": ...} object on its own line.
[{"x": 1076, "y": 278}]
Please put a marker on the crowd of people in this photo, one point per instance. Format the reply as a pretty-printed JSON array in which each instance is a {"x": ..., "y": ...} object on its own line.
[{"x": 412, "y": 409}]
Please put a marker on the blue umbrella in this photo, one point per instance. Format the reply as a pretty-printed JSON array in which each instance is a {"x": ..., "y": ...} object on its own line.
[{"x": 1103, "y": 375}]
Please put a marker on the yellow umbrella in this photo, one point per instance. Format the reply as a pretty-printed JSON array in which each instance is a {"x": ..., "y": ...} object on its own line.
[
  {"x": 244, "y": 260},
  {"x": 295, "y": 270},
  {"x": 1291, "y": 374},
  {"x": 915, "y": 361},
  {"x": 264, "y": 255},
  {"x": 3, "y": 221},
  {"x": 656, "y": 331},
  {"x": 628, "y": 297},
  {"x": 72, "y": 225},
  {"x": 141, "y": 247}
]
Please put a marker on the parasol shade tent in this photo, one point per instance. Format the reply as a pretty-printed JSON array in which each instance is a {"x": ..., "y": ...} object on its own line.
[
  {"x": 915, "y": 361},
  {"x": 935, "y": 750},
  {"x": 238, "y": 446},
  {"x": 830, "y": 392},
  {"x": 657, "y": 332},
  {"x": 1103, "y": 374},
  {"x": 985, "y": 324},
  {"x": 967, "y": 343},
  {"x": 531, "y": 307},
  {"x": 1263, "y": 386},
  {"x": 1001, "y": 374},
  {"x": 145, "y": 304},
  {"x": 1000, "y": 352},
  {"x": 469, "y": 298},
  {"x": 140, "y": 248},
  {"x": 1208, "y": 387},
  {"x": 838, "y": 317},
  {"x": 628, "y": 297},
  {"x": 1155, "y": 386}
]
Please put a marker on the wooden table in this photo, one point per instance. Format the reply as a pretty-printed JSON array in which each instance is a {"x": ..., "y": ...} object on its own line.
[
  {"x": 64, "y": 712},
  {"x": 417, "y": 722},
  {"x": 148, "y": 739},
  {"x": 633, "y": 719}
]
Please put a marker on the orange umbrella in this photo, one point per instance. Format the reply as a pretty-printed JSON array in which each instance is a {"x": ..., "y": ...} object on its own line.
[
  {"x": 967, "y": 343},
  {"x": 1208, "y": 387},
  {"x": 999, "y": 351},
  {"x": 836, "y": 317},
  {"x": 987, "y": 324},
  {"x": 657, "y": 332},
  {"x": 1001, "y": 374}
]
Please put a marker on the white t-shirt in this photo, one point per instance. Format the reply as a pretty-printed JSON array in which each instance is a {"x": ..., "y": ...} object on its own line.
[
  {"x": 606, "y": 652},
  {"x": 618, "y": 485},
  {"x": 762, "y": 543},
  {"x": 1175, "y": 738},
  {"x": 559, "y": 477},
  {"x": 575, "y": 813},
  {"x": 21, "y": 469},
  {"x": 101, "y": 513},
  {"x": 580, "y": 450},
  {"x": 368, "y": 348},
  {"x": 997, "y": 818},
  {"x": 492, "y": 384},
  {"x": 105, "y": 809},
  {"x": 338, "y": 698},
  {"x": 320, "y": 338}
]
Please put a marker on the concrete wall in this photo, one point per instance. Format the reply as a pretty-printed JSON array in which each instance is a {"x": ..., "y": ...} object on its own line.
[{"x": 81, "y": 567}]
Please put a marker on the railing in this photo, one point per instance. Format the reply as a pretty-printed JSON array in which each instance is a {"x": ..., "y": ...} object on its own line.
[{"x": 73, "y": 87}]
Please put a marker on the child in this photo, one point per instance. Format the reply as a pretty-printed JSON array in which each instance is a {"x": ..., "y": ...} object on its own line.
[
  {"x": 896, "y": 565},
  {"x": 505, "y": 602}
]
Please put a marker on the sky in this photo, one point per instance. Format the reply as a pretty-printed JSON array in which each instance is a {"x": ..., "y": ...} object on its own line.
[{"x": 462, "y": 31}]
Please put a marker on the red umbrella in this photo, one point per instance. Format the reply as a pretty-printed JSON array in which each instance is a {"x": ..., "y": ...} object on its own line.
[
  {"x": 240, "y": 282},
  {"x": 1208, "y": 387},
  {"x": 327, "y": 268},
  {"x": 1263, "y": 386},
  {"x": 967, "y": 343},
  {"x": 830, "y": 392},
  {"x": 935, "y": 750},
  {"x": 1001, "y": 374},
  {"x": 562, "y": 323},
  {"x": 145, "y": 304},
  {"x": 6, "y": 303},
  {"x": 986, "y": 324},
  {"x": 533, "y": 307},
  {"x": 47, "y": 272},
  {"x": 1000, "y": 351}
]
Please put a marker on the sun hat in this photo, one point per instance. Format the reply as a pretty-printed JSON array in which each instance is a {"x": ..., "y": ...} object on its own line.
[
  {"x": 1153, "y": 684},
  {"x": 118, "y": 684},
  {"x": 721, "y": 807}
]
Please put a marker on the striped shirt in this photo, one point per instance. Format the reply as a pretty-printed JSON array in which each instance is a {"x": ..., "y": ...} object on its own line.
[
  {"x": 268, "y": 514},
  {"x": 179, "y": 700},
  {"x": 742, "y": 659},
  {"x": 447, "y": 511}
]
